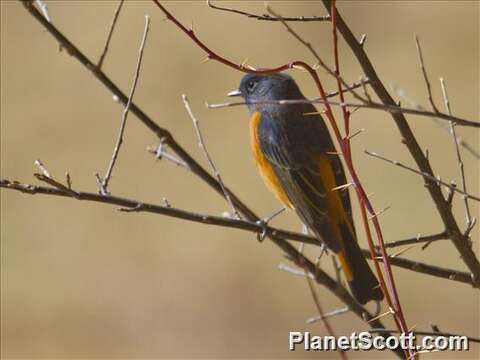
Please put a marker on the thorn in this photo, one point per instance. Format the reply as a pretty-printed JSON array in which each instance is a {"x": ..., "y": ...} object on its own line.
[
  {"x": 342, "y": 187},
  {"x": 298, "y": 67},
  {"x": 313, "y": 113},
  {"x": 401, "y": 251},
  {"x": 334, "y": 153},
  {"x": 363, "y": 39},
  {"x": 379, "y": 213},
  {"x": 349, "y": 137},
  {"x": 166, "y": 203},
  {"x": 42, "y": 168},
  {"x": 69, "y": 180},
  {"x": 138, "y": 207},
  {"x": 244, "y": 63},
  {"x": 205, "y": 60},
  {"x": 389, "y": 312}
]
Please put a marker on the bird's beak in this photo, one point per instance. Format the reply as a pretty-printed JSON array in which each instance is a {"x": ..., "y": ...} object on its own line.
[{"x": 235, "y": 93}]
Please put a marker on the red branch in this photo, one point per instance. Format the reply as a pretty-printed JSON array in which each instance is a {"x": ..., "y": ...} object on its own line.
[
  {"x": 344, "y": 143},
  {"x": 391, "y": 296}
]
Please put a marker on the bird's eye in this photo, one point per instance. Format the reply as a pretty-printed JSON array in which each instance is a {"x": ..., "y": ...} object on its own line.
[{"x": 251, "y": 85}]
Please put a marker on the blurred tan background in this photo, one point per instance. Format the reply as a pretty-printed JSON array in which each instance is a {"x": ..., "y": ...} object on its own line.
[{"x": 81, "y": 280}]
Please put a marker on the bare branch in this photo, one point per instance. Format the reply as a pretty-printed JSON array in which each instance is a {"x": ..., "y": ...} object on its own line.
[
  {"x": 468, "y": 215},
  {"x": 110, "y": 33},
  {"x": 203, "y": 147},
  {"x": 444, "y": 125},
  {"x": 116, "y": 150},
  {"x": 267, "y": 17},
  {"x": 323, "y": 318},
  {"x": 328, "y": 315},
  {"x": 429, "y": 176},
  {"x": 418, "y": 239},
  {"x": 425, "y": 76},
  {"x": 392, "y": 109}
]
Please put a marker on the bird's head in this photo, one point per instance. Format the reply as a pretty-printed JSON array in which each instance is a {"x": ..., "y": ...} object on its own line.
[{"x": 258, "y": 90}]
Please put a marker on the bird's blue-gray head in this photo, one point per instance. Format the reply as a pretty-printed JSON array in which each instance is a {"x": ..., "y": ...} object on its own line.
[{"x": 258, "y": 90}]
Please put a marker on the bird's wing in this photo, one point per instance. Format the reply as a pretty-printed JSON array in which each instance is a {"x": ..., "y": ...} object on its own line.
[{"x": 306, "y": 174}]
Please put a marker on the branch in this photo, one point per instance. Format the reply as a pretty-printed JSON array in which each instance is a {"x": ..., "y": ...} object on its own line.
[
  {"x": 446, "y": 126},
  {"x": 104, "y": 183},
  {"x": 427, "y": 269},
  {"x": 429, "y": 176},
  {"x": 202, "y": 146},
  {"x": 390, "y": 108},
  {"x": 425, "y": 76},
  {"x": 267, "y": 17},
  {"x": 470, "y": 221},
  {"x": 418, "y": 239},
  {"x": 110, "y": 33}
]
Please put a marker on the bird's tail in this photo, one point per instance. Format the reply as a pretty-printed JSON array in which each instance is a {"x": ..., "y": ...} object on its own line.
[{"x": 361, "y": 280}]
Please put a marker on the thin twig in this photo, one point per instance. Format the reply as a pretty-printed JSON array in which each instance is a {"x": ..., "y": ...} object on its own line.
[
  {"x": 324, "y": 319},
  {"x": 392, "y": 109},
  {"x": 203, "y": 147},
  {"x": 425, "y": 76},
  {"x": 160, "y": 152},
  {"x": 42, "y": 168},
  {"x": 418, "y": 239},
  {"x": 459, "y": 155},
  {"x": 436, "y": 179},
  {"x": 116, "y": 150},
  {"x": 330, "y": 314},
  {"x": 267, "y": 17},
  {"x": 312, "y": 50},
  {"x": 110, "y": 33},
  {"x": 444, "y": 125}
]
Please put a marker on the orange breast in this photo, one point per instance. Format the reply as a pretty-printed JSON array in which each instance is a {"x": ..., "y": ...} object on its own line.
[{"x": 264, "y": 167}]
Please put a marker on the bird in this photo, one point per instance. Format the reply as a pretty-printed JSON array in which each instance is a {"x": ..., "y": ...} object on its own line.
[{"x": 298, "y": 162}]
